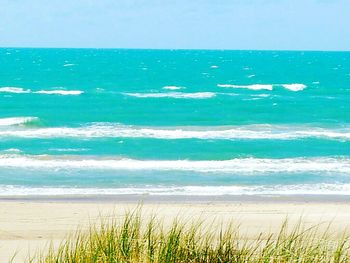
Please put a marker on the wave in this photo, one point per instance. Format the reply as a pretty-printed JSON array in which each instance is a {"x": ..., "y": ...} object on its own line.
[
  {"x": 60, "y": 92},
  {"x": 68, "y": 149},
  {"x": 175, "y": 95},
  {"x": 12, "y": 150},
  {"x": 17, "y": 121},
  {"x": 239, "y": 165},
  {"x": 49, "y": 92},
  {"x": 232, "y": 190},
  {"x": 251, "y": 87},
  {"x": 173, "y": 87},
  {"x": 249, "y": 132},
  {"x": 14, "y": 90},
  {"x": 294, "y": 87},
  {"x": 291, "y": 87}
]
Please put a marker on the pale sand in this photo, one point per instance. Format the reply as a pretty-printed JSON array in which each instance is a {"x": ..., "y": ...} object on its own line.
[{"x": 29, "y": 225}]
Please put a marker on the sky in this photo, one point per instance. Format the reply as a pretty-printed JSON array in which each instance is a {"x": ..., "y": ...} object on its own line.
[{"x": 177, "y": 24}]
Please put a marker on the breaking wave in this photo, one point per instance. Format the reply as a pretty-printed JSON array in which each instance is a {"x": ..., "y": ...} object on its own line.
[
  {"x": 253, "y": 132},
  {"x": 238, "y": 165},
  {"x": 291, "y": 87},
  {"x": 18, "y": 90},
  {"x": 251, "y": 87},
  {"x": 173, "y": 87},
  {"x": 175, "y": 95},
  {"x": 284, "y": 190},
  {"x": 60, "y": 92},
  {"x": 14, "y": 90},
  {"x": 17, "y": 121}
]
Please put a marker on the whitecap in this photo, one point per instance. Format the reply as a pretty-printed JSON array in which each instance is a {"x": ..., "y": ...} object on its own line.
[
  {"x": 270, "y": 87},
  {"x": 238, "y": 165},
  {"x": 294, "y": 87},
  {"x": 248, "y": 132},
  {"x": 251, "y": 87},
  {"x": 175, "y": 95},
  {"x": 49, "y": 92},
  {"x": 173, "y": 87},
  {"x": 14, "y": 90},
  {"x": 60, "y": 92}
]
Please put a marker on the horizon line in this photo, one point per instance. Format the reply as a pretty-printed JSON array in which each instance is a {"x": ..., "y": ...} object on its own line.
[{"x": 174, "y": 49}]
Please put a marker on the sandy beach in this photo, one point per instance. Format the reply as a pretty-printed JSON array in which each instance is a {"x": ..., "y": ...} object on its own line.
[{"x": 28, "y": 225}]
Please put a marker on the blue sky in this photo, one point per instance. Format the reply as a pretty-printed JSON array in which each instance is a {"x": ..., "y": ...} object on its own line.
[{"x": 189, "y": 24}]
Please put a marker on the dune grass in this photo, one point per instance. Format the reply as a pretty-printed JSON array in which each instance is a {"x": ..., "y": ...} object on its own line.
[{"x": 133, "y": 239}]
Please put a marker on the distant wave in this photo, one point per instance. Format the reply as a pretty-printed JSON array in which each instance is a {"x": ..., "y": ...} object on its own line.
[
  {"x": 251, "y": 87},
  {"x": 175, "y": 95},
  {"x": 233, "y": 190},
  {"x": 60, "y": 92},
  {"x": 14, "y": 90},
  {"x": 17, "y": 120},
  {"x": 49, "y": 92},
  {"x": 173, "y": 87},
  {"x": 291, "y": 87},
  {"x": 294, "y": 87},
  {"x": 254, "y": 132},
  {"x": 239, "y": 165}
]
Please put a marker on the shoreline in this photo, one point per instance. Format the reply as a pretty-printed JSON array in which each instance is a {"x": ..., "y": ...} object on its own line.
[{"x": 180, "y": 199}]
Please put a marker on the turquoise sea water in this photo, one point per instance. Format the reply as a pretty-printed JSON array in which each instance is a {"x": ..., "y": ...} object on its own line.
[{"x": 174, "y": 122}]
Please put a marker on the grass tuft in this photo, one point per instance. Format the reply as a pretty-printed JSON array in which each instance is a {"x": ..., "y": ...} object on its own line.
[{"x": 147, "y": 241}]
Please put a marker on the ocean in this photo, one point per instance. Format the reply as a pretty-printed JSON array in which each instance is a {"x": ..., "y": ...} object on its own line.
[{"x": 174, "y": 122}]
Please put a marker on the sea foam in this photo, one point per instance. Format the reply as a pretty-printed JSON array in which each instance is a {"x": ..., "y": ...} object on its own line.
[
  {"x": 14, "y": 90},
  {"x": 49, "y": 92},
  {"x": 173, "y": 87},
  {"x": 291, "y": 87},
  {"x": 251, "y": 87},
  {"x": 294, "y": 87},
  {"x": 175, "y": 95},
  {"x": 193, "y": 190},
  {"x": 239, "y": 165},
  {"x": 60, "y": 92},
  {"x": 249, "y": 132}
]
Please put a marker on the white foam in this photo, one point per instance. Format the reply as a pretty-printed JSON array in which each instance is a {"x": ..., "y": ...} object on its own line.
[
  {"x": 69, "y": 65},
  {"x": 294, "y": 87},
  {"x": 251, "y": 87},
  {"x": 68, "y": 149},
  {"x": 239, "y": 165},
  {"x": 291, "y": 87},
  {"x": 50, "y": 92},
  {"x": 253, "y": 132},
  {"x": 175, "y": 95},
  {"x": 14, "y": 90},
  {"x": 173, "y": 87},
  {"x": 16, "y": 120},
  {"x": 231, "y": 190},
  {"x": 60, "y": 92}
]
